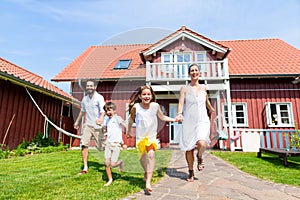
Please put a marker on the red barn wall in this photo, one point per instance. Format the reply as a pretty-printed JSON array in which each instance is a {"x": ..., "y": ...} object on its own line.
[{"x": 26, "y": 121}]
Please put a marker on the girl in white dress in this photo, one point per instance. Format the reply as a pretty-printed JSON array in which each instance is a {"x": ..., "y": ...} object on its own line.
[
  {"x": 192, "y": 111},
  {"x": 144, "y": 112}
]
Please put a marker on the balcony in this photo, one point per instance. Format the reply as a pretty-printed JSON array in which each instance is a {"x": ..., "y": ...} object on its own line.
[{"x": 170, "y": 75}]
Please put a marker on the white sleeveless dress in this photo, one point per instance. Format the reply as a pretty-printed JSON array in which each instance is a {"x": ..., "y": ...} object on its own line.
[
  {"x": 146, "y": 127},
  {"x": 196, "y": 123}
]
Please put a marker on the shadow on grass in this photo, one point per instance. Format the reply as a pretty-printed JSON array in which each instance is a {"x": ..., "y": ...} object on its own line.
[
  {"x": 137, "y": 179},
  {"x": 278, "y": 161}
]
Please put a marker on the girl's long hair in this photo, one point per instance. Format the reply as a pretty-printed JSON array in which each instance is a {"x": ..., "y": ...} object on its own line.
[{"x": 136, "y": 98}]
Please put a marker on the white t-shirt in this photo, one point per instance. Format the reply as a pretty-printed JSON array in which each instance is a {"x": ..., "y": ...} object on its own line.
[
  {"x": 114, "y": 128},
  {"x": 93, "y": 107}
]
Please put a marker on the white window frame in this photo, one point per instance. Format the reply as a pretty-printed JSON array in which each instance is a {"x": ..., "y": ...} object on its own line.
[
  {"x": 271, "y": 118},
  {"x": 235, "y": 117},
  {"x": 168, "y": 66},
  {"x": 202, "y": 67},
  {"x": 202, "y": 53},
  {"x": 183, "y": 69}
]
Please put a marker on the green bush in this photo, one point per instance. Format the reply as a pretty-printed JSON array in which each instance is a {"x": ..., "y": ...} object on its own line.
[
  {"x": 5, "y": 152},
  {"x": 295, "y": 140},
  {"x": 37, "y": 145}
]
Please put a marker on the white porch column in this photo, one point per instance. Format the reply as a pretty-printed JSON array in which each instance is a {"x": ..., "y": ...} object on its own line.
[
  {"x": 228, "y": 96},
  {"x": 148, "y": 73}
]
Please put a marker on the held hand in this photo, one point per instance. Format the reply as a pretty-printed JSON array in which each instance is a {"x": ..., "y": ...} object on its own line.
[
  {"x": 76, "y": 126},
  {"x": 99, "y": 122},
  {"x": 179, "y": 118},
  {"x": 212, "y": 110}
]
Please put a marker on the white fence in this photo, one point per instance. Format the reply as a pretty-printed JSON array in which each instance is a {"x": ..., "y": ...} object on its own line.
[{"x": 268, "y": 138}]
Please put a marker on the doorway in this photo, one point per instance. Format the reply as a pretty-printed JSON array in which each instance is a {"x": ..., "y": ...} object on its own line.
[{"x": 175, "y": 127}]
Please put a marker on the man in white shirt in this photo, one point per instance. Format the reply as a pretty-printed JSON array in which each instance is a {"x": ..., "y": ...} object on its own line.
[{"x": 92, "y": 108}]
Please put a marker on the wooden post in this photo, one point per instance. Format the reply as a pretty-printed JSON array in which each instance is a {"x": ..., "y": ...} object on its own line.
[{"x": 7, "y": 130}]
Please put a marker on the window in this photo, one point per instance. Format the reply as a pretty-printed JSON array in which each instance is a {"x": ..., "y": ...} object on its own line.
[
  {"x": 201, "y": 57},
  {"x": 239, "y": 114},
  {"x": 123, "y": 64},
  {"x": 279, "y": 115},
  {"x": 182, "y": 70},
  {"x": 167, "y": 58}
]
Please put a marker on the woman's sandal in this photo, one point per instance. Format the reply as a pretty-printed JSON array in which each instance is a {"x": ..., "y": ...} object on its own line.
[
  {"x": 200, "y": 164},
  {"x": 190, "y": 176}
]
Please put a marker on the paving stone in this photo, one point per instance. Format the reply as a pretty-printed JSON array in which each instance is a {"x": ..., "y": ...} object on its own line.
[{"x": 218, "y": 181}]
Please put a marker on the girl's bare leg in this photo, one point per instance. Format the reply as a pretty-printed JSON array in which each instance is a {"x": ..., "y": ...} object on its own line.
[
  {"x": 150, "y": 169},
  {"x": 143, "y": 161}
]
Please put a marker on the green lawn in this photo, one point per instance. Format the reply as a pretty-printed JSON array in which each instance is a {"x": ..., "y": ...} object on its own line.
[
  {"x": 54, "y": 176},
  {"x": 269, "y": 167}
]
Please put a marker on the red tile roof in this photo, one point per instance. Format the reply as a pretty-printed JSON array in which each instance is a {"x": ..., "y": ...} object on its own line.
[
  {"x": 98, "y": 62},
  {"x": 8, "y": 69},
  {"x": 262, "y": 57}
]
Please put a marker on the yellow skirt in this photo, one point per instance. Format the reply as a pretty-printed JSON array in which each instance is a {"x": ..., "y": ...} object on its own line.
[{"x": 144, "y": 145}]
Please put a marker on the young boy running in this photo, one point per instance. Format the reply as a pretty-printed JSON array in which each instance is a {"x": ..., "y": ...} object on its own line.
[{"x": 112, "y": 125}]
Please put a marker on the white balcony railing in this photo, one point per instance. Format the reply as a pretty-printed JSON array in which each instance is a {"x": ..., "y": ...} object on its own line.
[{"x": 210, "y": 70}]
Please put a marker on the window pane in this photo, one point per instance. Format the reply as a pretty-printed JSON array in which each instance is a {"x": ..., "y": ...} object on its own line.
[
  {"x": 226, "y": 113},
  {"x": 239, "y": 107},
  {"x": 284, "y": 114},
  {"x": 179, "y": 58},
  {"x": 200, "y": 57},
  {"x": 283, "y": 107},
  {"x": 240, "y": 121},
  {"x": 239, "y": 114},
  {"x": 274, "y": 115},
  {"x": 123, "y": 64},
  {"x": 285, "y": 120},
  {"x": 187, "y": 58},
  {"x": 167, "y": 58}
]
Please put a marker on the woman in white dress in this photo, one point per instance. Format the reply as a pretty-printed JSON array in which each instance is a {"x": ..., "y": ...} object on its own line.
[
  {"x": 192, "y": 111},
  {"x": 144, "y": 112}
]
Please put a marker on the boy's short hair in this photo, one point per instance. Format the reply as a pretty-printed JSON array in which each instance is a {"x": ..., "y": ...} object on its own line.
[{"x": 109, "y": 105}]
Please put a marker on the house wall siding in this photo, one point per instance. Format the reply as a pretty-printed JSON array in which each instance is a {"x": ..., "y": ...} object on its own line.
[
  {"x": 26, "y": 121},
  {"x": 257, "y": 92}
]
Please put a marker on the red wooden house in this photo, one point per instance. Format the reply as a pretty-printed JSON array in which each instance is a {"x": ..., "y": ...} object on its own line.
[
  {"x": 20, "y": 118},
  {"x": 252, "y": 83}
]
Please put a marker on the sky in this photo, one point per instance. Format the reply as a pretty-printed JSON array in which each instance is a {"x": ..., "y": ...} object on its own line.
[{"x": 44, "y": 36}]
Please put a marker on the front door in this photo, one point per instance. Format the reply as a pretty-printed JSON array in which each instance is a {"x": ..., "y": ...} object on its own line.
[{"x": 174, "y": 128}]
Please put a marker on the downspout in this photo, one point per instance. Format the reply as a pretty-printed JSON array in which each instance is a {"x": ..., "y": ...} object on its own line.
[
  {"x": 80, "y": 85},
  {"x": 60, "y": 121}
]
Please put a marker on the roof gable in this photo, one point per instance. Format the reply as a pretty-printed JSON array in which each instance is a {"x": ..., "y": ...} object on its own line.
[{"x": 183, "y": 33}]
